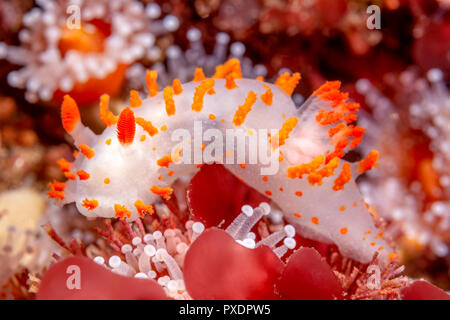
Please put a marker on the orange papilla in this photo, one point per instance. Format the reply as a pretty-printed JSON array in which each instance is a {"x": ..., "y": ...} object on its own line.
[
  {"x": 106, "y": 116},
  {"x": 267, "y": 97},
  {"x": 86, "y": 150},
  {"x": 199, "y": 75},
  {"x": 121, "y": 211},
  {"x": 81, "y": 40},
  {"x": 197, "y": 104},
  {"x": 327, "y": 86},
  {"x": 230, "y": 68},
  {"x": 69, "y": 175},
  {"x": 164, "y": 161},
  {"x": 287, "y": 82},
  {"x": 244, "y": 109},
  {"x": 64, "y": 165},
  {"x": 57, "y": 185},
  {"x": 163, "y": 192},
  {"x": 70, "y": 114},
  {"x": 152, "y": 85},
  {"x": 343, "y": 178},
  {"x": 147, "y": 126},
  {"x": 176, "y": 85},
  {"x": 143, "y": 208},
  {"x": 126, "y": 126},
  {"x": 286, "y": 129},
  {"x": 168, "y": 99},
  {"x": 305, "y": 168},
  {"x": 316, "y": 177},
  {"x": 230, "y": 83},
  {"x": 83, "y": 175},
  {"x": 90, "y": 204},
  {"x": 135, "y": 100},
  {"x": 369, "y": 162},
  {"x": 56, "y": 190}
]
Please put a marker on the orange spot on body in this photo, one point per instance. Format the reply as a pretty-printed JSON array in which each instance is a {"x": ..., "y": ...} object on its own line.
[
  {"x": 108, "y": 142},
  {"x": 242, "y": 165},
  {"x": 342, "y": 208},
  {"x": 70, "y": 114},
  {"x": 343, "y": 230},
  {"x": 298, "y": 193},
  {"x": 126, "y": 127},
  {"x": 265, "y": 178},
  {"x": 315, "y": 220},
  {"x": 143, "y": 137},
  {"x": 106, "y": 181},
  {"x": 297, "y": 215},
  {"x": 268, "y": 192},
  {"x": 212, "y": 116}
]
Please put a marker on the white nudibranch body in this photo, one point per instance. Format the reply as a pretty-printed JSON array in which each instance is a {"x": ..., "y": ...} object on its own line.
[{"x": 123, "y": 171}]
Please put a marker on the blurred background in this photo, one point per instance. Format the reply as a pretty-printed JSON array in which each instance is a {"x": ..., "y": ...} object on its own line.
[{"x": 392, "y": 56}]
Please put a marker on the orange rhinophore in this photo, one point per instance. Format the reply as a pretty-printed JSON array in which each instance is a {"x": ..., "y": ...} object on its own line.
[
  {"x": 121, "y": 211},
  {"x": 83, "y": 175},
  {"x": 70, "y": 114},
  {"x": 163, "y": 192},
  {"x": 369, "y": 162},
  {"x": 147, "y": 126},
  {"x": 244, "y": 109},
  {"x": 176, "y": 85},
  {"x": 106, "y": 116},
  {"x": 232, "y": 67},
  {"x": 86, "y": 150},
  {"x": 126, "y": 126},
  {"x": 90, "y": 204},
  {"x": 168, "y": 99},
  {"x": 267, "y": 97},
  {"x": 152, "y": 85},
  {"x": 135, "y": 100},
  {"x": 343, "y": 178},
  {"x": 143, "y": 208},
  {"x": 197, "y": 104},
  {"x": 199, "y": 75},
  {"x": 288, "y": 83}
]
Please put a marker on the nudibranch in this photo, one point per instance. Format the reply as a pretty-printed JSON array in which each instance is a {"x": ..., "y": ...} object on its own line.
[
  {"x": 82, "y": 48},
  {"x": 127, "y": 168}
]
